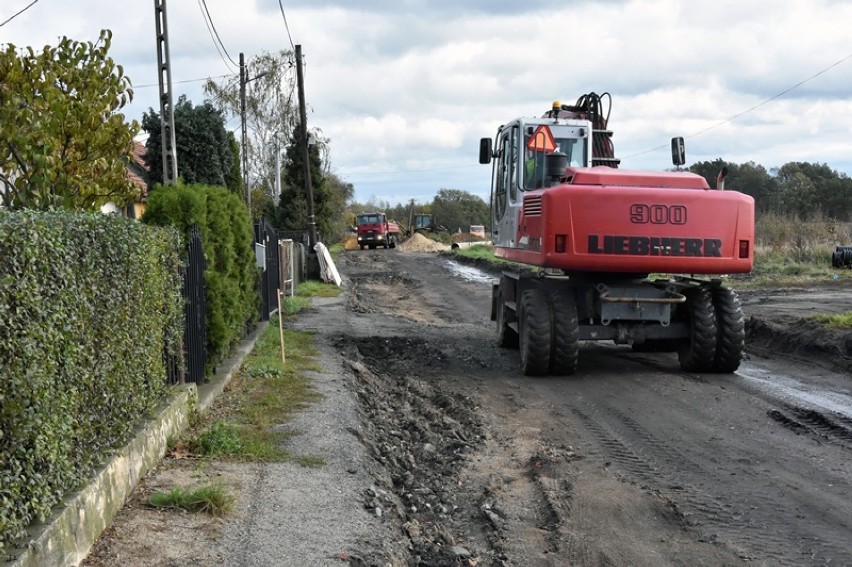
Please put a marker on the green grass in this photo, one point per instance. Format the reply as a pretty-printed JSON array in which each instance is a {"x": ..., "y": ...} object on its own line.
[
  {"x": 292, "y": 305},
  {"x": 211, "y": 499},
  {"x": 306, "y": 290},
  {"x": 221, "y": 439},
  {"x": 263, "y": 395},
  {"x": 479, "y": 252},
  {"x": 312, "y": 288},
  {"x": 841, "y": 321}
]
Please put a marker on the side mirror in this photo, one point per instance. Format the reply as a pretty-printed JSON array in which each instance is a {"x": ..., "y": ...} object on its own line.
[
  {"x": 485, "y": 150},
  {"x": 678, "y": 152}
]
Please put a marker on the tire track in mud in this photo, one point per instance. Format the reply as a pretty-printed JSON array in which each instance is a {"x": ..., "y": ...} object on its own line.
[
  {"x": 737, "y": 518},
  {"x": 815, "y": 424}
]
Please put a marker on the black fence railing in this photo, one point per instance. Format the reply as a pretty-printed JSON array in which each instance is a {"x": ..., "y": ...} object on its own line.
[
  {"x": 195, "y": 335},
  {"x": 195, "y": 303},
  {"x": 195, "y": 314}
]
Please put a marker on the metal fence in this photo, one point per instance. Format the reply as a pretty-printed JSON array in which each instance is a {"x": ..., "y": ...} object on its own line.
[
  {"x": 195, "y": 302},
  {"x": 195, "y": 314}
]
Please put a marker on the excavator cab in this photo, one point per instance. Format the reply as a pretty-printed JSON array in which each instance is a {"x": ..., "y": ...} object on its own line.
[{"x": 547, "y": 156}]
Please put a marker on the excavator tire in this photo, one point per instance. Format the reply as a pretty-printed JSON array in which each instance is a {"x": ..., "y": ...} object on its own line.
[
  {"x": 506, "y": 336},
  {"x": 534, "y": 332},
  {"x": 565, "y": 334},
  {"x": 730, "y": 335},
  {"x": 697, "y": 353}
]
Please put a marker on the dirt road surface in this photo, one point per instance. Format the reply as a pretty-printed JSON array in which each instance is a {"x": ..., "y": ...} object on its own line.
[{"x": 631, "y": 461}]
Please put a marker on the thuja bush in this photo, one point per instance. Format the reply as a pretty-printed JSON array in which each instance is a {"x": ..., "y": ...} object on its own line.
[
  {"x": 88, "y": 303},
  {"x": 230, "y": 276}
]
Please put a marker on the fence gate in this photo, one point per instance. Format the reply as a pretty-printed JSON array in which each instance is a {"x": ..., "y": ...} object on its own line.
[
  {"x": 287, "y": 267},
  {"x": 265, "y": 234}
]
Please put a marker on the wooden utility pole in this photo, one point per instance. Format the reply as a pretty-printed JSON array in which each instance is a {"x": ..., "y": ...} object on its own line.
[
  {"x": 309, "y": 192},
  {"x": 167, "y": 113}
]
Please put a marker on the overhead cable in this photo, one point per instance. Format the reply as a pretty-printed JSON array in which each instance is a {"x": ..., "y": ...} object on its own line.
[
  {"x": 755, "y": 107},
  {"x": 33, "y": 3},
  {"x": 287, "y": 27},
  {"x": 218, "y": 40}
]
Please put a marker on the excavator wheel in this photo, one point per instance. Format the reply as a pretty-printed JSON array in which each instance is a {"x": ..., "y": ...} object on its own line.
[
  {"x": 730, "y": 335},
  {"x": 697, "y": 353},
  {"x": 565, "y": 334},
  {"x": 534, "y": 332},
  {"x": 506, "y": 336}
]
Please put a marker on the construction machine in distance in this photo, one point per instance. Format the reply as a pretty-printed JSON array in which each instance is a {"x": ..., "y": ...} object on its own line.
[
  {"x": 374, "y": 229},
  {"x": 597, "y": 233},
  {"x": 423, "y": 222}
]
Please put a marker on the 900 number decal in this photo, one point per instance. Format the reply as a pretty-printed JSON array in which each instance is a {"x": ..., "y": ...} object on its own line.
[{"x": 657, "y": 214}]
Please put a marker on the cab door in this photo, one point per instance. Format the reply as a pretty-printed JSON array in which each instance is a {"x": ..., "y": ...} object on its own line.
[{"x": 506, "y": 196}]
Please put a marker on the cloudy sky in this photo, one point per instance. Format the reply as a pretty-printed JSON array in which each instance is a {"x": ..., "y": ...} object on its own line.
[{"x": 405, "y": 88}]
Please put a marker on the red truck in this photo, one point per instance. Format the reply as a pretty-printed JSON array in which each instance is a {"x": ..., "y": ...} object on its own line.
[{"x": 374, "y": 229}]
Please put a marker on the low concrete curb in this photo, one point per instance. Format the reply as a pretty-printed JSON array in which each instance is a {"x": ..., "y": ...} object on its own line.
[{"x": 68, "y": 536}]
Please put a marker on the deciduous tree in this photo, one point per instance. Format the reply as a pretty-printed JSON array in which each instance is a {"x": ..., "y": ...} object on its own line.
[
  {"x": 63, "y": 141},
  {"x": 456, "y": 209}
]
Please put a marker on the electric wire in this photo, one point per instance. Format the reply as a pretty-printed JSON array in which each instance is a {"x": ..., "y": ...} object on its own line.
[
  {"x": 31, "y": 4},
  {"x": 286, "y": 26},
  {"x": 213, "y": 27},
  {"x": 753, "y": 108},
  {"x": 184, "y": 81},
  {"x": 213, "y": 38}
]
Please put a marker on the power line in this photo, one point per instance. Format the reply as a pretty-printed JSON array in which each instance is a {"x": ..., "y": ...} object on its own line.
[
  {"x": 213, "y": 37},
  {"x": 33, "y": 3},
  {"x": 186, "y": 81},
  {"x": 213, "y": 27},
  {"x": 755, "y": 107},
  {"x": 287, "y": 27}
]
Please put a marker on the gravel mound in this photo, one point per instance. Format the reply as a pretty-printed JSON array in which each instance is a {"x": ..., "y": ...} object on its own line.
[{"x": 419, "y": 243}]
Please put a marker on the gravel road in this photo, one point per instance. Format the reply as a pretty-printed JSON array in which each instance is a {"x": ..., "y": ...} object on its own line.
[{"x": 439, "y": 452}]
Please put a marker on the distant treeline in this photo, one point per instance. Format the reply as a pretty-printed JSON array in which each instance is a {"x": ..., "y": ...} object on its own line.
[{"x": 796, "y": 189}]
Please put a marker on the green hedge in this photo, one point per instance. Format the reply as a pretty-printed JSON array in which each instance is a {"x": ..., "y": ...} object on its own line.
[
  {"x": 228, "y": 238},
  {"x": 87, "y": 304}
]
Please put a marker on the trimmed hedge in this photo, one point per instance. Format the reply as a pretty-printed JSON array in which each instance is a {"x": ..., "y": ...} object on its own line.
[
  {"x": 228, "y": 238},
  {"x": 88, "y": 303}
]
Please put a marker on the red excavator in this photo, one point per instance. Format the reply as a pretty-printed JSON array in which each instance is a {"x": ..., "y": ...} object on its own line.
[{"x": 597, "y": 233}]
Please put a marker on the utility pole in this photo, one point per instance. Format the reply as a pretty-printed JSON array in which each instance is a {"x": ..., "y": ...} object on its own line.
[
  {"x": 244, "y": 132},
  {"x": 277, "y": 194},
  {"x": 309, "y": 192},
  {"x": 167, "y": 113}
]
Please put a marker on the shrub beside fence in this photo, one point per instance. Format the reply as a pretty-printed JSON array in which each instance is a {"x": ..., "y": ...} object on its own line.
[
  {"x": 87, "y": 305},
  {"x": 230, "y": 275}
]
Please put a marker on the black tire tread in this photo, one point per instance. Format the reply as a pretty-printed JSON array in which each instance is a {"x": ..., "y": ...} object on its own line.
[
  {"x": 730, "y": 337},
  {"x": 697, "y": 353},
  {"x": 534, "y": 324},
  {"x": 565, "y": 334}
]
